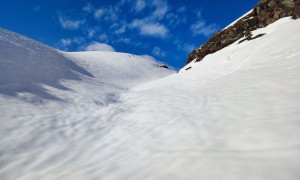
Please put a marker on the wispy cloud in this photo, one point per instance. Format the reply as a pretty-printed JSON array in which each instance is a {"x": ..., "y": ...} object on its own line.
[
  {"x": 128, "y": 22},
  {"x": 120, "y": 30},
  {"x": 175, "y": 19},
  {"x": 201, "y": 28},
  {"x": 96, "y": 46},
  {"x": 130, "y": 41},
  {"x": 188, "y": 47},
  {"x": 99, "y": 13},
  {"x": 70, "y": 24},
  {"x": 109, "y": 13},
  {"x": 158, "y": 52},
  {"x": 184, "y": 46},
  {"x": 88, "y": 8},
  {"x": 124, "y": 40},
  {"x": 152, "y": 24},
  {"x": 150, "y": 28},
  {"x": 64, "y": 44},
  {"x": 155, "y": 20},
  {"x": 161, "y": 8},
  {"x": 154, "y": 30},
  {"x": 103, "y": 37},
  {"x": 154, "y": 9},
  {"x": 140, "y": 5},
  {"x": 91, "y": 32}
]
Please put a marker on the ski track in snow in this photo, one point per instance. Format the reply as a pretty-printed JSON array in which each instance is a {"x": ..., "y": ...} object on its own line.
[{"x": 225, "y": 118}]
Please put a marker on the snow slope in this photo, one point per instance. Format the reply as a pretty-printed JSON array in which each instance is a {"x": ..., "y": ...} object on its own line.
[
  {"x": 234, "y": 115},
  {"x": 26, "y": 63},
  {"x": 49, "y": 100}
]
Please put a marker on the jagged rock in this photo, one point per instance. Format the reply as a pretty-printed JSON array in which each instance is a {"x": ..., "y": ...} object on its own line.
[
  {"x": 277, "y": 15},
  {"x": 288, "y": 3},
  {"x": 264, "y": 13}
]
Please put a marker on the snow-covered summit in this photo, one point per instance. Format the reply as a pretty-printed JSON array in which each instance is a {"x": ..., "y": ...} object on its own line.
[{"x": 27, "y": 66}]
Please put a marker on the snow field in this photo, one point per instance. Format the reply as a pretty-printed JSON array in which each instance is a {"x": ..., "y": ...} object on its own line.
[{"x": 234, "y": 115}]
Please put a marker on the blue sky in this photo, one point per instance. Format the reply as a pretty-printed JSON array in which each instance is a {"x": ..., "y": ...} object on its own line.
[{"x": 164, "y": 29}]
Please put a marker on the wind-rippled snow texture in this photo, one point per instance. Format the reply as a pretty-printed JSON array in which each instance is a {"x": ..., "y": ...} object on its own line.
[
  {"x": 25, "y": 63},
  {"x": 235, "y": 115}
]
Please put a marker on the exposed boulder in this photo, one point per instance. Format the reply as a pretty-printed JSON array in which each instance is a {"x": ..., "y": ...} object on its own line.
[{"x": 264, "y": 13}]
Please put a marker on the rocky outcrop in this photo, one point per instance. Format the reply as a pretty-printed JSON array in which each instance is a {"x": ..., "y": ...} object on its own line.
[{"x": 264, "y": 13}]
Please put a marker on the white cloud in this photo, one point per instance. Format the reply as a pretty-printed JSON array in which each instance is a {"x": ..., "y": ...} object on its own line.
[
  {"x": 78, "y": 40},
  {"x": 91, "y": 32},
  {"x": 184, "y": 46},
  {"x": 140, "y": 5},
  {"x": 201, "y": 28},
  {"x": 129, "y": 41},
  {"x": 99, "y": 13},
  {"x": 70, "y": 24},
  {"x": 112, "y": 14},
  {"x": 157, "y": 9},
  {"x": 109, "y": 13},
  {"x": 124, "y": 40},
  {"x": 65, "y": 42},
  {"x": 119, "y": 27},
  {"x": 121, "y": 30},
  {"x": 103, "y": 37},
  {"x": 158, "y": 52},
  {"x": 88, "y": 8},
  {"x": 95, "y": 46},
  {"x": 198, "y": 13},
  {"x": 154, "y": 30},
  {"x": 188, "y": 47},
  {"x": 175, "y": 19},
  {"x": 149, "y": 28},
  {"x": 151, "y": 25},
  {"x": 161, "y": 9}
]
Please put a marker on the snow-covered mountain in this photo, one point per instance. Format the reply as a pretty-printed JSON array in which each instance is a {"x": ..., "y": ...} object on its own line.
[
  {"x": 28, "y": 66},
  {"x": 50, "y": 99},
  {"x": 234, "y": 115}
]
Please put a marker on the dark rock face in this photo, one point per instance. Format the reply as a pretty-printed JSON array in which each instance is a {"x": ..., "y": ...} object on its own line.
[{"x": 264, "y": 13}]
